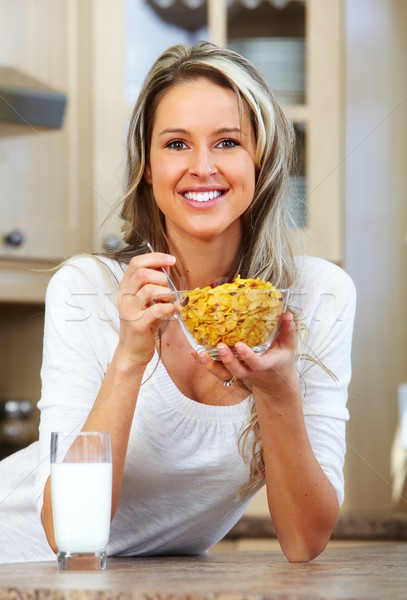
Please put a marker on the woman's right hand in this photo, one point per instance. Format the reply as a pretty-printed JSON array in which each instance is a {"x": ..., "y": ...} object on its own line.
[{"x": 140, "y": 317}]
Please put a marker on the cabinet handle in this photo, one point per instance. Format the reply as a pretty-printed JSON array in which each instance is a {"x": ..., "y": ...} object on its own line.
[
  {"x": 14, "y": 238},
  {"x": 112, "y": 242}
]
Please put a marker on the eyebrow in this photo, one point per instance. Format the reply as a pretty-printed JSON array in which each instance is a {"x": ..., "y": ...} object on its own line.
[{"x": 218, "y": 131}]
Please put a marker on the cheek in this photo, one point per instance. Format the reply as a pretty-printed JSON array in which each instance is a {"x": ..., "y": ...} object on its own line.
[
  {"x": 247, "y": 175},
  {"x": 163, "y": 173},
  {"x": 248, "y": 185}
]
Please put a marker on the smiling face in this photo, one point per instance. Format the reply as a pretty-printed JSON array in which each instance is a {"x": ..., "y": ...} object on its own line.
[{"x": 202, "y": 160}]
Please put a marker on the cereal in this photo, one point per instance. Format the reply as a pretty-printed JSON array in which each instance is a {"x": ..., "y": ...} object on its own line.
[{"x": 245, "y": 310}]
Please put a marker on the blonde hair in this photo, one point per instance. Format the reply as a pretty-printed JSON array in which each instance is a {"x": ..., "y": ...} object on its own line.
[{"x": 266, "y": 246}]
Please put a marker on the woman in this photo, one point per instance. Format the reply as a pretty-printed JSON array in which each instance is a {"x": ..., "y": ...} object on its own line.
[{"x": 208, "y": 158}]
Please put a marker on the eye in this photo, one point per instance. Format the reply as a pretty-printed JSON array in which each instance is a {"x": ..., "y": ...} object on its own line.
[
  {"x": 176, "y": 145},
  {"x": 228, "y": 143}
]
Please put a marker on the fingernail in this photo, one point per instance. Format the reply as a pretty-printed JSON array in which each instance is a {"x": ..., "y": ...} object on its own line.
[
  {"x": 202, "y": 354},
  {"x": 222, "y": 349},
  {"x": 170, "y": 260}
]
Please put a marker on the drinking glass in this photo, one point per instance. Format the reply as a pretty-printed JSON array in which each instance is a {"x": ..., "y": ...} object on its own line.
[{"x": 81, "y": 489}]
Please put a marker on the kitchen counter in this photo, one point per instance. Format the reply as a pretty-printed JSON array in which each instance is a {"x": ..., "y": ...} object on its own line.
[{"x": 346, "y": 570}]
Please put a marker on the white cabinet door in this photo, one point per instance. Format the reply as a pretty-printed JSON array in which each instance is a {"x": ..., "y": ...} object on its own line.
[{"x": 45, "y": 179}]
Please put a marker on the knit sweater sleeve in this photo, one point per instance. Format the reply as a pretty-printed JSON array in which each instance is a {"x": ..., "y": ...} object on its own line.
[
  {"x": 80, "y": 321},
  {"x": 325, "y": 305}
]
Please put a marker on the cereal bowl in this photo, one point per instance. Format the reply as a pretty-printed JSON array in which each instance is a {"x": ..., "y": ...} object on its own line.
[{"x": 245, "y": 310}]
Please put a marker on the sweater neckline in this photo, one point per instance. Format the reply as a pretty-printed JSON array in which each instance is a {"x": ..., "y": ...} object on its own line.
[{"x": 173, "y": 396}]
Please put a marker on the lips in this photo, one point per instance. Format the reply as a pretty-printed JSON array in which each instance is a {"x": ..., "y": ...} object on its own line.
[{"x": 203, "y": 196}]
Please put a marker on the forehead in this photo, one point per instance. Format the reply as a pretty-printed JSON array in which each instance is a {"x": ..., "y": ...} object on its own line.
[{"x": 200, "y": 99}]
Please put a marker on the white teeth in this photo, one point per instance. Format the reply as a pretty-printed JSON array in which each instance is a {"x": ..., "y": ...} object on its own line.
[{"x": 202, "y": 196}]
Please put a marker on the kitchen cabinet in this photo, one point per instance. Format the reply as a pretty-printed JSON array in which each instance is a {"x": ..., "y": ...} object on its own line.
[
  {"x": 46, "y": 183},
  {"x": 58, "y": 185},
  {"x": 45, "y": 172}
]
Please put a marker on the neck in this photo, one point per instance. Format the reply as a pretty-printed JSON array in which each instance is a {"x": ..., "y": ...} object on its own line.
[{"x": 202, "y": 262}]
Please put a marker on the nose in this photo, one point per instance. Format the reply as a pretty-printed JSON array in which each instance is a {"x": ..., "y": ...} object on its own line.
[{"x": 202, "y": 163}]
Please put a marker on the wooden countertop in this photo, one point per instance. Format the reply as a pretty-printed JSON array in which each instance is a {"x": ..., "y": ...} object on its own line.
[{"x": 346, "y": 570}]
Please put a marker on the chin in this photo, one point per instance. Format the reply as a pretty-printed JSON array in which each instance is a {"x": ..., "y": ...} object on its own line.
[
  {"x": 208, "y": 236},
  {"x": 210, "y": 231}
]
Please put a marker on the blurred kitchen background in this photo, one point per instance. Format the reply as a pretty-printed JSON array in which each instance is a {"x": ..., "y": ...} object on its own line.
[{"x": 70, "y": 71}]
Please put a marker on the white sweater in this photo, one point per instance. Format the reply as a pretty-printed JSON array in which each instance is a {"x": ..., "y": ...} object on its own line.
[{"x": 183, "y": 466}]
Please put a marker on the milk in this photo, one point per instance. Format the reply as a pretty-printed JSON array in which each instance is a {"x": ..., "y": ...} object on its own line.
[{"x": 81, "y": 505}]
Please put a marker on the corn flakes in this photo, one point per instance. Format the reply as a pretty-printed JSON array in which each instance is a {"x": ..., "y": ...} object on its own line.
[{"x": 245, "y": 310}]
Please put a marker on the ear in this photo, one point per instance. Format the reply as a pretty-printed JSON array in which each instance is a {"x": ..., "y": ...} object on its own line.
[{"x": 147, "y": 175}]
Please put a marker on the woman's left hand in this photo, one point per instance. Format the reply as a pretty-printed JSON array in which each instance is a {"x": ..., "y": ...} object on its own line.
[{"x": 274, "y": 370}]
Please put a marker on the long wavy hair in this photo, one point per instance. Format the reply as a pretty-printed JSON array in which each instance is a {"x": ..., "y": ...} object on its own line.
[{"x": 266, "y": 248}]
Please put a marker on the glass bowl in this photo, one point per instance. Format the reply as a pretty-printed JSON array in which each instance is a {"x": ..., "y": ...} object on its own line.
[{"x": 246, "y": 310}]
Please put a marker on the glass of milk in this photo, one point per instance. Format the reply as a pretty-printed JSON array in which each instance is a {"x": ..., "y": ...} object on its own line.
[{"x": 81, "y": 488}]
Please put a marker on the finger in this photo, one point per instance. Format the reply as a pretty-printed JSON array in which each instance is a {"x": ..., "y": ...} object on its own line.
[
  {"x": 158, "y": 314},
  {"x": 235, "y": 365},
  {"x": 148, "y": 317},
  {"x": 134, "y": 305},
  {"x": 156, "y": 293},
  {"x": 217, "y": 368},
  {"x": 151, "y": 261},
  {"x": 287, "y": 336},
  {"x": 286, "y": 339},
  {"x": 249, "y": 359},
  {"x": 142, "y": 277}
]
